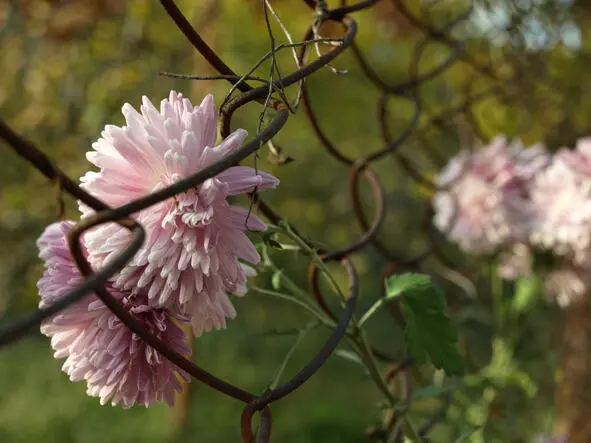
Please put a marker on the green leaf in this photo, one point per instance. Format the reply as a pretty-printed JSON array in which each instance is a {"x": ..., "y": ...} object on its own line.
[
  {"x": 430, "y": 334},
  {"x": 348, "y": 355},
  {"x": 269, "y": 238},
  {"x": 397, "y": 284},
  {"x": 289, "y": 247},
  {"x": 527, "y": 293},
  {"x": 504, "y": 370},
  {"x": 411, "y": 429},
  {"x": 276, "y": 279},
  {"x": 275, "y": 244},
  {"x": 266, "y": 235},
  {"x": 464, "y": 437}
]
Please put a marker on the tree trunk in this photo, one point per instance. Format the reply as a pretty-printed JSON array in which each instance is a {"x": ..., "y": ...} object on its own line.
[{"x": 572, "y": 397}]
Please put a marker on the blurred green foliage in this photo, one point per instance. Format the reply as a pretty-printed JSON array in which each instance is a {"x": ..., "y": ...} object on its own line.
[{"x": 67, "y": 68}]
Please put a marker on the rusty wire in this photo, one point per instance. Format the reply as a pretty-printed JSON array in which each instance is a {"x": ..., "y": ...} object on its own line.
[{"x": 360, "y": 167}]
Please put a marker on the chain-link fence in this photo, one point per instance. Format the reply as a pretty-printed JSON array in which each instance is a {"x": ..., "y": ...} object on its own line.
[{"x": 332, "y": 32}]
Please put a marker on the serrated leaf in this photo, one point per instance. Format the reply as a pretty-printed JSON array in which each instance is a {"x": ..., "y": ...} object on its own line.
[
  {"x": 397, "y": 284},
  {"x": 429, "y": 332}
]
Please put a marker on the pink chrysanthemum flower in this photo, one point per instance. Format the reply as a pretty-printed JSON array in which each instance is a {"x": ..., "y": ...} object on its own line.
[
  {"x": 561, "y": 196},
  {"x": 482, "y": 203},
  {"x": 116, "y": 364},
  {"x": 194, "y": 240}
]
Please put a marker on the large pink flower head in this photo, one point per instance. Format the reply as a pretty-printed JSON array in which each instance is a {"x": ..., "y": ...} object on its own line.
[
  {"x": 482, "y": 203},
  {"x": 116, "y": 364},
  {"x": 561, "y": 197},
  {"x": 195, "y": 240}
]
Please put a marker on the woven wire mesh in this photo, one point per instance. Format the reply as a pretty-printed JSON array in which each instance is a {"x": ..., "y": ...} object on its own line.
[{"x": 271, "y": 96}]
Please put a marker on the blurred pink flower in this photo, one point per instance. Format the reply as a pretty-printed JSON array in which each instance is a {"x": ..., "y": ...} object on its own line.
[
  {"x": 483, "y": 201},
  {"x": 561, "y": 197},
  {"x": 515, "y": 262},
  {"x": 578, "y": 159},
  {"x": 568, "y": 284},
  {"x": 116, "y": 364},
  {"x": 194, "y": 240},
  {"x": 564, "y": 283}
]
